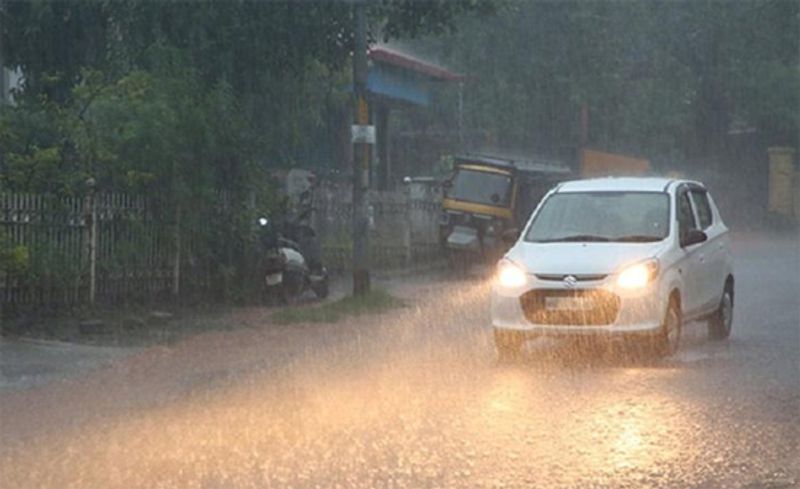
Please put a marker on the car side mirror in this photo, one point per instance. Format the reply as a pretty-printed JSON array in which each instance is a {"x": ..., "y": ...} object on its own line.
[
  {"x": 510, "y": 236},
  {"x": 446, "y": 184},
  {"x": 694, "y": 236}
]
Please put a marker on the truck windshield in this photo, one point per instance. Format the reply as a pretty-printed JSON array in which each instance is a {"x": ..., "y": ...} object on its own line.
[
  {"x": 481, "y": 187},
  {"x": 601, "y": 216}
]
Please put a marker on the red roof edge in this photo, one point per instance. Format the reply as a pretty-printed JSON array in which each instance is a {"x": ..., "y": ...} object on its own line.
[{"x": 395, "y": 58}]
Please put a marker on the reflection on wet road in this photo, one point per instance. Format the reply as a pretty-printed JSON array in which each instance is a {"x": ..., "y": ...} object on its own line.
[{"x": 416, "y": 399}]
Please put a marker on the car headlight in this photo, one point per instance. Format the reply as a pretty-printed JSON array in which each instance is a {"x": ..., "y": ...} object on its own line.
[
  {"x": 510, "y": 275},
  {"x": 638, "y": 276}
]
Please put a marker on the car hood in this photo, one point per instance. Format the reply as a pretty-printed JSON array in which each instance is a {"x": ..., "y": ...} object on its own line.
[{"x": 580, "y": 258}]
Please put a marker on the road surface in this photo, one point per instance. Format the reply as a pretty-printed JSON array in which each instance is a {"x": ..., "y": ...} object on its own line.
[
  {"x": 26, "y": 363},
  {"x": 415, "y": 398}
]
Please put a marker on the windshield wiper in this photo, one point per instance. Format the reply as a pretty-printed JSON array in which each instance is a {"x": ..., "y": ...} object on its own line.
[
  {"x": 576, "y": 237},
  {"x": 638, "y": 238}
]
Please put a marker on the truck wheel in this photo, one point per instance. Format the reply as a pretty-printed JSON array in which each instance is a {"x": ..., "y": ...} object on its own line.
[
  {"x": 719, "y": 324},
  {"x": 508, "y": 344}
]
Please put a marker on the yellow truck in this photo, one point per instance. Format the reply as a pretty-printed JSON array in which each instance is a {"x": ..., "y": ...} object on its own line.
[{"x": 488, "y": 198}]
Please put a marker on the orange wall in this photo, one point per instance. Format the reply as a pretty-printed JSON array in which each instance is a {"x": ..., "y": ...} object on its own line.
[{"x": 600, "y": 164}]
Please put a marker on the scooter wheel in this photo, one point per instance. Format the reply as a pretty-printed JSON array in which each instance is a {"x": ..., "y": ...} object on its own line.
[
  {"x": 321, "y": 289},
  {"x": 289, "y": 297}
]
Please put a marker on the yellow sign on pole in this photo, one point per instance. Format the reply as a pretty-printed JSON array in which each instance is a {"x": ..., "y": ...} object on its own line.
[
  {"x": 781, "y": 173},
  {"x": 363, "y": 111}
]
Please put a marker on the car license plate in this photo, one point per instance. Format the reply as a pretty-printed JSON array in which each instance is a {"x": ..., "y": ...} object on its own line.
[
  {"x": 274, "y": 278},
  {"x": 566, "y": 304}
]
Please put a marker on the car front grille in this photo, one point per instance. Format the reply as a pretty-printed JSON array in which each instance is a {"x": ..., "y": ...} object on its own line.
[
  {"x": 559, "y": 277},
  {"x": 597, "y": 307}
]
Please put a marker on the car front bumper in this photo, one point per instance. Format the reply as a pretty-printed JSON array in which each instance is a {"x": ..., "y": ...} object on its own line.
[{"x": 637, "y": 314}]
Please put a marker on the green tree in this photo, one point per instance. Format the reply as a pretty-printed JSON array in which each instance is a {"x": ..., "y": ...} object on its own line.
[
  {"x": 187, "y": 101},
  {"x": 661, "y": 79}
]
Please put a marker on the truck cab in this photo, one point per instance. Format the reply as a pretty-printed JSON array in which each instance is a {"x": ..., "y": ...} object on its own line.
[{"x": 487, "y": 198}]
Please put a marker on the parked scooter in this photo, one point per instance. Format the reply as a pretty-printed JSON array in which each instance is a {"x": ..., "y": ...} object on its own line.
[{"x": 292, "y": 261}]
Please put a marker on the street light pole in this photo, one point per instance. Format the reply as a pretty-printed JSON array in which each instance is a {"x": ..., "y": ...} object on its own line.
[{"x": 361, "y": 158}]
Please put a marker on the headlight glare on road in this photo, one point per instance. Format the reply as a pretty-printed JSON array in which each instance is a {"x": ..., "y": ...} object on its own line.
[
  {"x": 510, "y": 275},
  {"x": 637, "y": 276}
]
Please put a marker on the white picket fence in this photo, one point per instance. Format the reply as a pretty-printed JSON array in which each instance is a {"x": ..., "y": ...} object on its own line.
[
  {"x": 110, "y": 248},
  {"x": 403, "y": 225},
  {"x": 81, "y": 248}
]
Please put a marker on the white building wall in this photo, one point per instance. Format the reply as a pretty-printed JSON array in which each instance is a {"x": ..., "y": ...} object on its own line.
[{"x": 11, "y": 80}]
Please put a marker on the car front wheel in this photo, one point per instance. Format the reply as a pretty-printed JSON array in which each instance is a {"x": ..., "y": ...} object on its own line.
[
  {"x": 669, "y": 337},
  {"x": 719, "y": 325}
]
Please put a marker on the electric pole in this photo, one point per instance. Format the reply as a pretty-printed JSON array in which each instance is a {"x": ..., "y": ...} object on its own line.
[
  {"x": 362, "y": 153},
  {"x": 3, "y": 86}
]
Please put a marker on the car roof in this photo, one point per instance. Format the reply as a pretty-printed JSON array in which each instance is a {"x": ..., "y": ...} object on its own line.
[{"x": 617, "y": 184}]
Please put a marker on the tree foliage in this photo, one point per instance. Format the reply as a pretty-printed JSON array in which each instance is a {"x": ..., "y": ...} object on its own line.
[
  {"x": 666, "y": 80},
  {"x": 189, "y": 102},
  {"x": 137, "y": 85}
]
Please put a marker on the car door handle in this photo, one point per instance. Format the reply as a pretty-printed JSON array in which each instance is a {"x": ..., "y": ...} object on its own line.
[{"x": 702, "y": 258}]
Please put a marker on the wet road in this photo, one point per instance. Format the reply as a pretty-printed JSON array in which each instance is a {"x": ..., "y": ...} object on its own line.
[
  {"x": 26, "y": 362},
  {"x": 416, "y": 399}
]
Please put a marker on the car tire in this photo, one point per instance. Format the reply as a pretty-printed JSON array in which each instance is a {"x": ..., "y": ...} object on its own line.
[
  {"x": 508, "y": 344},
  {"x": 668, "y": 338},
  {"x": 719, "y": 324}
]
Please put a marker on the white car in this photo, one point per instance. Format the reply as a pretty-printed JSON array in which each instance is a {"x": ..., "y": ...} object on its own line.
[{"x": 622, "y": 257}]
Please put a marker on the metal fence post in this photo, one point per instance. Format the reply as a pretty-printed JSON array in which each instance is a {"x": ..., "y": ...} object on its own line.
[
  {"x": 90, "y": 230},
  {"x": 176, "y": 264},
  {"x": 408, "y": 221}
]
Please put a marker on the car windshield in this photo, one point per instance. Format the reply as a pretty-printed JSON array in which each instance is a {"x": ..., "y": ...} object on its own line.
[
  {"x": 481, "y": 187},
  {"x": 601, "y": 216}
]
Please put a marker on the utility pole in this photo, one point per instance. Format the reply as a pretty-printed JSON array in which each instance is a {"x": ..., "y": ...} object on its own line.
[
  {"x": 584, "y": 125},
  {"x": 584, "y": 141},
  {"x": 362, "y": 153},
  {"x": 3, "y": 86},
  {"x": 461, "y": 116}
]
